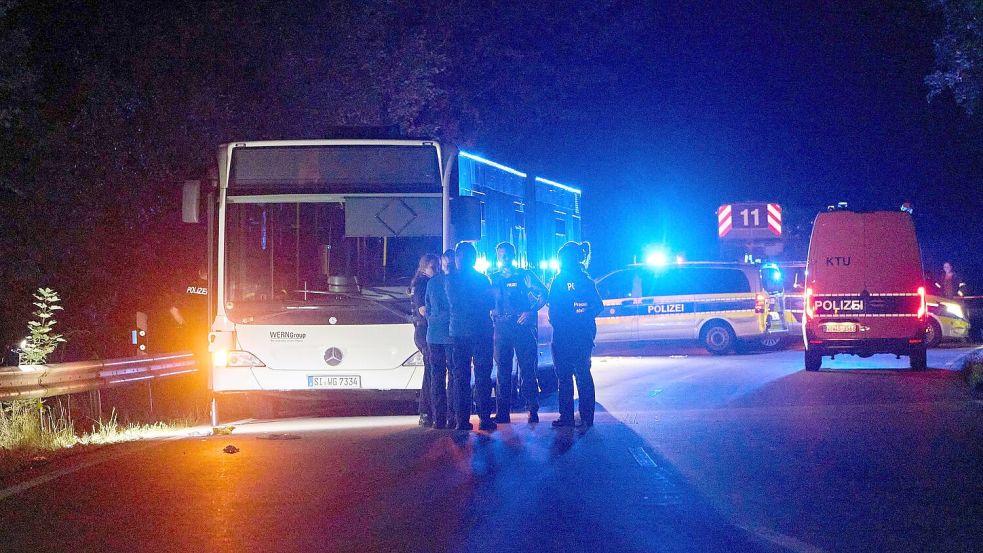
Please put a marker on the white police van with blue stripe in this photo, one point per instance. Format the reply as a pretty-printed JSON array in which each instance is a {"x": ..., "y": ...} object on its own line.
[{"x": 722, "y": 305}]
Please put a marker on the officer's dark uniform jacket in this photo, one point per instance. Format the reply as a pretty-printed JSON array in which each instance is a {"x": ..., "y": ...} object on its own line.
[
  {"x": 516, "y": 294},
  {"x": 574, "y": 303},
  {"x": 470, "y": 300}
]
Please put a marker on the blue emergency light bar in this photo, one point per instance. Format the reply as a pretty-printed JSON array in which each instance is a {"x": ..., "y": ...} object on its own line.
[
  {"x": 558, "y": 185},
  {"x": 491, "y": 163}
]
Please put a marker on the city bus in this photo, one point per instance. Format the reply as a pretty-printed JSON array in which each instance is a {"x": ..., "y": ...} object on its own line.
[{"x": 314, "y": 243}]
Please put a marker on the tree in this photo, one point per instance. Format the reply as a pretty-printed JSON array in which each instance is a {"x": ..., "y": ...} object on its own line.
[{"x": 959, "y": 53}]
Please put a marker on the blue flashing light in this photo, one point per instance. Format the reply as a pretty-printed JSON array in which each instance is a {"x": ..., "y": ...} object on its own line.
[
  {"x": 554, "y": 265},
  {"x": 657, "y": 258},
  {"x": 482, "y": 265},
  {"x": 543, "y": 265},
  {"x": 491, "y": 163},
  {"x": 558, "y": 185}
]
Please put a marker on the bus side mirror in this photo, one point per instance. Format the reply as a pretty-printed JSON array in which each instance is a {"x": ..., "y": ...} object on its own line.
[
  {"x": 191, "y": 201},
  {"x": 466, "y": 218}
]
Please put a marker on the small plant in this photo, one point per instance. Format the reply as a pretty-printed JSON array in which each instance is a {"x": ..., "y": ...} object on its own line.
[{"x": 42, "y": 340}]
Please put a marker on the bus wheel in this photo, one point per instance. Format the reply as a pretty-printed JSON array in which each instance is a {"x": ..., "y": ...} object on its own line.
[
  {"x": 814, "y": 360},
  {"x": 918, "y": 359},
  {"x": 718, "y": 338},
  {"x": 933, "y": 333}
]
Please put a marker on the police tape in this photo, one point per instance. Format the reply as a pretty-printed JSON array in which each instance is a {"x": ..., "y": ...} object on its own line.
[{"x": 56, "y": 379}]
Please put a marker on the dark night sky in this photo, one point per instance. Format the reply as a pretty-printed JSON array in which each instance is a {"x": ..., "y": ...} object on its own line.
[{"x": 806, "y": 104}]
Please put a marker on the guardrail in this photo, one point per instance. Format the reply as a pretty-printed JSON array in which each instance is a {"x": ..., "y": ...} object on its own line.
[{"x": 40, "y": 381}]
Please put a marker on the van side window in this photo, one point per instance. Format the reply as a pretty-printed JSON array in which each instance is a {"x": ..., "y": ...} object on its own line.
[
  {"x": 621, "y": 284},
  {"x": 727, "y": 281}
]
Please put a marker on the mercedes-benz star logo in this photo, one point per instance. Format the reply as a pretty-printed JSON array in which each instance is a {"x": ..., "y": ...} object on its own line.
[{"x": 333, "y": 356}]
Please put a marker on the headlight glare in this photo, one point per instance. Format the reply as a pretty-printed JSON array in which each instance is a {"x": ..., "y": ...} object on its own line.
[
  {"x": 415, "y": 360},
  {"x": 954, "y": 309}
]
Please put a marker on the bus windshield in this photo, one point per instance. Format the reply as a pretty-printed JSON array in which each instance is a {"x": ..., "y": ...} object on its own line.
[{"x": 280, "y": 256}]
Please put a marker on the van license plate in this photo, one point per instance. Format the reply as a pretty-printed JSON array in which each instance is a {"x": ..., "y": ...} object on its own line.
[
  {"x": 840, "y": 327},
  {"x": 334, "y": 381}
]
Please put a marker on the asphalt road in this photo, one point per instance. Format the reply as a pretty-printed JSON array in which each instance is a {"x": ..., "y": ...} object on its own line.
[{"x": 689, "y": 453}]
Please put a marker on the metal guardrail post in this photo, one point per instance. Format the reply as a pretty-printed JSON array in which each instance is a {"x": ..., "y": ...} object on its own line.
[{"x": 95, "y": 404}]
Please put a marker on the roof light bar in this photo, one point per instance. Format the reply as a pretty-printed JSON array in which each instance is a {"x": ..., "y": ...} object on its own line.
[
  {"x": 558, "y": 185},
  {"x": 491, "y": 163}
]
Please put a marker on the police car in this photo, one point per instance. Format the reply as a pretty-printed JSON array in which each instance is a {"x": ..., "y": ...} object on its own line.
[{"x": 720, "y": 304}]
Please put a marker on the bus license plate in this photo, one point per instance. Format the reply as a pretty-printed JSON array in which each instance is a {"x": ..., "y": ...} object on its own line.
[
  {"x": 334, "y": 381},
  {"x": 840, "y": 327}
]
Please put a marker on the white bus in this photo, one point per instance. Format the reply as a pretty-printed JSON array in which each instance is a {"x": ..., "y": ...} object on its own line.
[{"x": 315, "y": 242}]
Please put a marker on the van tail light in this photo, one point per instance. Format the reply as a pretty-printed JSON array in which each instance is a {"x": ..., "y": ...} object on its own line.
[
  {"x": 759, "y": 303},
  {"x": 922, "y": 305},
  {"x": 809, "y": 310}
]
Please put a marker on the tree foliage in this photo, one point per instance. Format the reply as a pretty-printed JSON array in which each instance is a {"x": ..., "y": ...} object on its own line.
[
  {"x": 106, "y": 107},
  {"x": 959, "y": 53}
]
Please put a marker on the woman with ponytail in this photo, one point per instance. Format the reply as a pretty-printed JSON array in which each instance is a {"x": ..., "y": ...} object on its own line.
[
  {"x": 428, "y": 267},
  {"x": 574, "y": 303}
]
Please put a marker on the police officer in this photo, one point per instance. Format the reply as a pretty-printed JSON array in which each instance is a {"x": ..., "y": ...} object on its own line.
[
  {"x": 427, "y": 268},
  {"x": 470, "y": 302},
  {"x": 574, "y": 303},
  {"x": 187, "y": 324},
  {"x": 519, "y": 294},
  {"x": 439, "y": 343}
]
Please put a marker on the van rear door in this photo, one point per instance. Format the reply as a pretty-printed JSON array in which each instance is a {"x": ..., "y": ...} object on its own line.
[
  {"x": 894, "y": 260},
  {"x": 837, "y": 257}
]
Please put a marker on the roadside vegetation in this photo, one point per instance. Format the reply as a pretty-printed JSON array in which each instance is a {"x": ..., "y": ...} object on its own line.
[
  {"x": 31, "y": 429},
  {"x": 973, "y": 369}
]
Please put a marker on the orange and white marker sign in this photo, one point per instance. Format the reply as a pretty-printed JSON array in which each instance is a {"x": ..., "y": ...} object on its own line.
[
  {"x": 775, "y": 219},
  {"x": 725, "y": 220}
]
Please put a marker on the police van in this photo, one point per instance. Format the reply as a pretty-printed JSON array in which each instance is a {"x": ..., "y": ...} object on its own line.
[
  {"x": 723, "y": 305},
  {"x": 946, "y": 320}
]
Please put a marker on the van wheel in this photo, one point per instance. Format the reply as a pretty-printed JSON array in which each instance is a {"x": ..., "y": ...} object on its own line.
[
  {"x": 771, "y": 342},
  {"x": 933, "y": 333},
  {"x": 918, "y": 359},
  {"x": 814, "y": 360},
  {"x": 718, "y": 338}
]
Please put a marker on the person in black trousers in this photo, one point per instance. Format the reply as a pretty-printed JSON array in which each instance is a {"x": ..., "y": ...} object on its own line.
[
  {"x": 519, "y": 295},
  {"x": 470, "y": 300},
  {"x": 439, "y": 343},
  {"x": 429, "y": 265},
  {"x": 574, "y": 303}
]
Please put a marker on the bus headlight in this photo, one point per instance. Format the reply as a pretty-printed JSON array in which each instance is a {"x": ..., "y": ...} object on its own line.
[
  {"x": 954, "y": 309},
  {"x": 235, "y": 358},
  {"x": 415, "y": 360}
]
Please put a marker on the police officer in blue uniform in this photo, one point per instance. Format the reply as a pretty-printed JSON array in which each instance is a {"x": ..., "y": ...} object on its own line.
[
  {"x": 470, "y": 301},
  {"x": 574, "y": 303},
  {"x": 519, "y": 295}
]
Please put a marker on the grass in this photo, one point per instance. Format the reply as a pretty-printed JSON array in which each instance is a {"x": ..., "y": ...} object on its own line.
[
  {"x": 32, "y": 426},
  {"x": 973, "y": 369}
]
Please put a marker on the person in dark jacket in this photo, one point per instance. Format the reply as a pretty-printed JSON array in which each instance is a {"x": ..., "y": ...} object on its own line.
[
  {"x": 469, "y": 297},
  {"x": 574, "y": 303},
  {"x": 519, "y": 295},
  {"x": 439, "y": 343},
  {"x": 950, "y": 284},
  {"x": 429, "y": 265}
]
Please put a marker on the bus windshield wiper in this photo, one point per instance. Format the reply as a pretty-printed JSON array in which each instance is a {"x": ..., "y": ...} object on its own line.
[{"x": 387, "y": 305}]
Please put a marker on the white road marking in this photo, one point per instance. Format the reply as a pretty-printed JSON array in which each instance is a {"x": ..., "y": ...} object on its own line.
[
  {"x": 781, "y": 540},
  {"x": 642, "y": 457}
]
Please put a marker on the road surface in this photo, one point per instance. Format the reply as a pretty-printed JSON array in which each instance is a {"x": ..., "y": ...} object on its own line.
[{"x": 689, "y": 453}]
